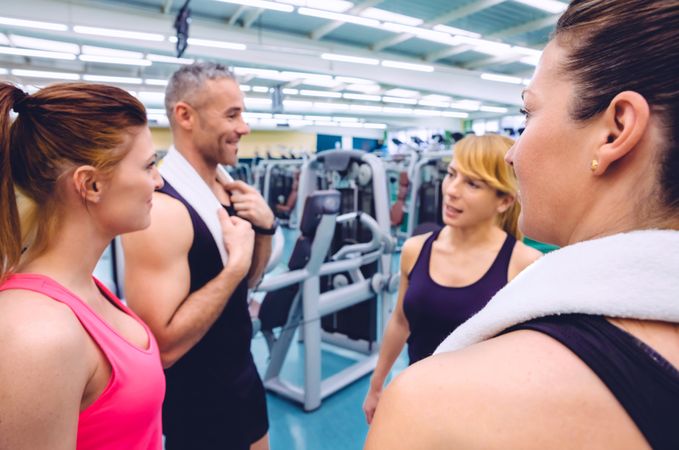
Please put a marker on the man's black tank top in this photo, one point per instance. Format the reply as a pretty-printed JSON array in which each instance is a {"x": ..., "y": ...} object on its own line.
[
  {"x": 221, "y": 361},
  {"x": 644, "y": 382},
  {"x": 434, "y": 311}
]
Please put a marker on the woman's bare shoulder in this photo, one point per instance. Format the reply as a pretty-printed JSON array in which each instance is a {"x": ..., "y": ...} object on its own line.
[
  {"x": 520, "y": 390},
  {"x": 411, "y": 250}
]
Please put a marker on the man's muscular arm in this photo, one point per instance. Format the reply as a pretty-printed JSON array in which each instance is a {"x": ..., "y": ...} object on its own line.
[{"x": 158, "y": 276}]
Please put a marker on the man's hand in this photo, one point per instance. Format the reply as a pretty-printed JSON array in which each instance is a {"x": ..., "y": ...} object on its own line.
[
  {"x": 239, "y": 240},
  {"x": 249, "y": 204}
]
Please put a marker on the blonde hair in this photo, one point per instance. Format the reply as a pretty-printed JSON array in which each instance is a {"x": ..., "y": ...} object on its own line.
[{"x": 483, "y": 157}]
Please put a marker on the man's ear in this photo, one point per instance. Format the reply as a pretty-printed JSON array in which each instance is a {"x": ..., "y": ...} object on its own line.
[
  {"x": 88, "y": 183},
  {"x": 626, "y": 120},
  {"x": 184, "y": 115}
]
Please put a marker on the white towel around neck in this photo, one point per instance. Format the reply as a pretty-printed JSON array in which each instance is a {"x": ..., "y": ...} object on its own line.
[
  {"x": 177, "y": 171},
  {"x": 627, "y": 275}
]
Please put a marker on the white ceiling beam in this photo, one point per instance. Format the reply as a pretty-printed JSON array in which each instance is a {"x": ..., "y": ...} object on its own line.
[
  {"x": 450, "y": 16},
  {"x": 485, "y": 62},
  {"x": 447, "y": 52},
  {"x": 239, "y": 12},
  {"x": 252, "y": 17},
  {"x": 319, "y": 32}
]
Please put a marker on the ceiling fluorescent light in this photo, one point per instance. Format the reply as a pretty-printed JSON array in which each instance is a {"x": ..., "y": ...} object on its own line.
[
  {"x": 328, "y": 94},
  {"x": 402, "y": 93},
  {"x": 155, "y": 82},
  {"x": 354, "y": 80},
  {"x": 3, "y": 71},
  {"x": 530, "y": 60},
  {"x": 335, "y": 106},
  {"x": 527, "y": 51},
  {"x": 390, "y": 110},
  {"x": 467, "y": 105},
  {"x": 263, "y": 73},
  {"x": 260, "y": 89},
  {"x": 33, "y": 24},
  {"x": 345, "y": 119},
  {"x": 427, "y": 112},
  {"x": 495, "y": 109},
  {"x": 155, "y": 111},
  {"x": 501, "y": 78},
  {"x": 44, "y": 44},
  {"x": 320, "y": 82},
  {"x": 245, "y": 88},
  {"x": 152, "y": 97},
  {"x": 456, "y": 31},
  {"x": 110, "y": 32},
  {"x": 297, "y": 104},
  {"x": 326, "y": 118},
  {"x": 339, "y": 17},
  {"x": 46, "y": 75},
  {"x": 303, "y": 75},
  {"x": 351, "y": 59},
  {"x": 289, "y": 91},
  {"x": 328, "y": 5},
  {"x": 407, "y": 66},
  {"x": 108, "y": 79},
  {"x": 551, "y": 6},
  {"x": 388, "y": 16},
  {"x": 459, "y": 115},
  {"x": 370, "y": 98},
  {"x": 485, "y": 46},
  {"x": 366, "y": 108},
  {"x": 436, "y": 98},
  {"x": 365, "y": 88},
  {"x": 216, "y": 44},
  {"x": 169, "y": 59},
  {"x": 379, "y": 126},
  {"x": 103, "y": 51},
  {"x": 36, "y": 53},
  {"x": 434, "y": 103},
  {"x": 525, "y": 81},
  {"x": 430, "y": 35},
  {"x": 402, "y": 101},
  {"x": 4, "y": 40},
  {"x": 261, "y": 4},
  {"x": 111, "y": 60}
]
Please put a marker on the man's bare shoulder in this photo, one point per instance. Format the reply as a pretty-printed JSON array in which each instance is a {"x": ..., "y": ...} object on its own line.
[
  {"x": 520, "y": 390},
  {"x": 170, "y": 223}
]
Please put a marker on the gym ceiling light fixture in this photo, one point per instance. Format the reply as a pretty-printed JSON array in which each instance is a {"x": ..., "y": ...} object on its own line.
[
  {"x": 494, "y": 109},
  {"x": 109, "y": 79},
  {"x": 351, "y": 59},
  {"x": 110, "y": 32},
  {"x": 37, "y": 53},
  {"x": 45, "y": 75},
  {"x": 43, "y": 44},
  {"x": 112, "y": 60},
  {"x": 168, "y": 59},
  {"x": 551, "y": 6},
  {"x": 340, "y": 17},
  {"x": 501, "y": 78},
  {"x": 339, "y": 6},
  {"x": 261, "y": 4},
  {"x": 407, "y": 66},
  {"x": 33, "y": 24},
  {"x": 388, "y": 16}
]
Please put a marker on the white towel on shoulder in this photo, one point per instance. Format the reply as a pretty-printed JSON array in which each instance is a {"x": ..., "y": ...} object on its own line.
[
  {"x": 177, "y": 171},
  {"x": 627, "y": 275}
]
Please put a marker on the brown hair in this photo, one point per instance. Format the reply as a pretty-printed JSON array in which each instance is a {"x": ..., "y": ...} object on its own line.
[
  {"x": 630, "y": 45},
  {"x": 483, "y": 157},
  {"x": 56, "y": 129}
]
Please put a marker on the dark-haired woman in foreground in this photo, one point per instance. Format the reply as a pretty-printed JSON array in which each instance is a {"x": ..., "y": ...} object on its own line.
[
  {"x": 582, "y": 349},
  {"x": 77, "y": 368}
]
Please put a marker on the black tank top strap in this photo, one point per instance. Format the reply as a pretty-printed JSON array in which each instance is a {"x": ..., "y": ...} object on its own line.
[
  {"x": 644, "y": 382},
  {"x": 425, "y": 253},
  {"x": 500, "y": 268}
]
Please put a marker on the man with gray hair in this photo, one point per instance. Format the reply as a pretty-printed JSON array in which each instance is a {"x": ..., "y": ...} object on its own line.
[{"x": 187, "y": 275}]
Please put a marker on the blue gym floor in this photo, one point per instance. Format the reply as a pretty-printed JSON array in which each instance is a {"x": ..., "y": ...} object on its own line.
[{"x": 339, "y": 423}]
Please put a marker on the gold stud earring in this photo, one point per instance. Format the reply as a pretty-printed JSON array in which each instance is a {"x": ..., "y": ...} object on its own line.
[{"x": 595, "y": 165}]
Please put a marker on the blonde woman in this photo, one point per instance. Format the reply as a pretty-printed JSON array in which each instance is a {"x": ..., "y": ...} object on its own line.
[{"x": 450, "y": 274}]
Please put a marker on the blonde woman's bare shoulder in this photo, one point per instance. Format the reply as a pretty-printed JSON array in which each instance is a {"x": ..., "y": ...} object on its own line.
[
  {"x": 522, "y": 257},
  {"x": 411, "y": 250}
]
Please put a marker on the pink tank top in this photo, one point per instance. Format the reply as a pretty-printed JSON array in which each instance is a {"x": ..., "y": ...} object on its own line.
[{"x": 127, "y": 414}]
